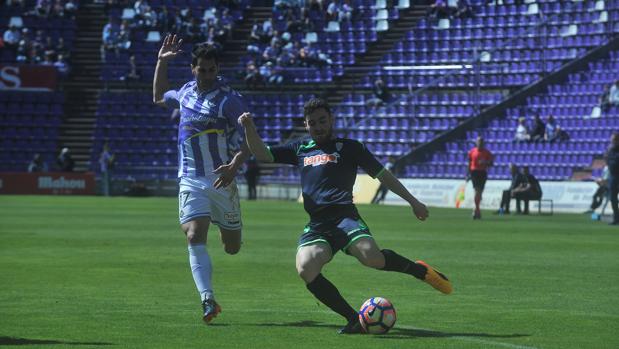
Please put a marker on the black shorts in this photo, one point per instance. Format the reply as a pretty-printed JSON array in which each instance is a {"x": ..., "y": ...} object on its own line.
[
  {"x": 339, "y": 229},
  {"x": 479, "y": 179}
]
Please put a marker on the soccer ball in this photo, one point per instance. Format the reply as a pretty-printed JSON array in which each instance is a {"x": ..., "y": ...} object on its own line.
[{"x": 377, "y": 315}]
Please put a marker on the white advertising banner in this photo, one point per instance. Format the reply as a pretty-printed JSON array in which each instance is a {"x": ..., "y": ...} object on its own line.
[{"x": 566, "y": 196}]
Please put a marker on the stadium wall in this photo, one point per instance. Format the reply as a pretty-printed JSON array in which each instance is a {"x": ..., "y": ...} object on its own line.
[{"x": 566, "y": 196}]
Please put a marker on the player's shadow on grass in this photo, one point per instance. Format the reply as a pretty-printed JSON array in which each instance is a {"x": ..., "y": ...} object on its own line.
[
  {"x": 26, "y": 341},
  {"x": 398, "y": 332},
  {"x": 306, "y": 323}
]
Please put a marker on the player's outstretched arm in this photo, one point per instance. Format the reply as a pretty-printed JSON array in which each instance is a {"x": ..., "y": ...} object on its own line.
[
  {"x": 170, "y": 48},
  {"x": 255, "y": 143},
  {"x": 392, "y": 183}
]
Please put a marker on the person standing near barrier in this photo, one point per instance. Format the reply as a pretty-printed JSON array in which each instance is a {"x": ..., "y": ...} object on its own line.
[{"x": 612, "y": 160}]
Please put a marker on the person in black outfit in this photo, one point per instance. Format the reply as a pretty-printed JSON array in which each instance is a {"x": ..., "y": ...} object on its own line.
[
  {"x": 252, "y": 172},
  {"x": 382, "y": 189},
  {"x": 382, "y": 95},
  {"x": 64, "y": 161},
  {"x": 528, "y": 189},
  {"x": 507, "y": 194},
  {"x": 612, "y": 160},
  {"x": 539, "y": 129}
]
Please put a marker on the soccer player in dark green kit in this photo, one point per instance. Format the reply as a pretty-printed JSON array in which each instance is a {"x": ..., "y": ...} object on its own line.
[{"x": 328, "y": 167}]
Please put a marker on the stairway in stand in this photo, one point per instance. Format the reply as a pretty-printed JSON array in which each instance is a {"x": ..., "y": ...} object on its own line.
[{"x": 83, "y": 86}]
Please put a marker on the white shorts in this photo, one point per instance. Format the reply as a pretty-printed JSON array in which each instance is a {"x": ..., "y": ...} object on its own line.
[{"x": 198, "y": 198}]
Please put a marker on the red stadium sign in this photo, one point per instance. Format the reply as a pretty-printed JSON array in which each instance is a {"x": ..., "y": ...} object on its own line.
[
  {"x": 54, "y": 183},
  {"x": 27, "y": 77}
]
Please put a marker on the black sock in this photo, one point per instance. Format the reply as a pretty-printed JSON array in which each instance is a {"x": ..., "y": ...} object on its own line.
[
  {"x": 395, "y": 262},
  {"x": 328, "y": 294}
]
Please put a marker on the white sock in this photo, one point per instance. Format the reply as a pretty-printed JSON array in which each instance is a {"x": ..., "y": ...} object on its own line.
[{"x": 201, "y": 269}]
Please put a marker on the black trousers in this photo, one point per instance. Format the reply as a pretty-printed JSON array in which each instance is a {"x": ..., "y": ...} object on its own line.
[
  {"x": 505, "y": 199},
  {"x": 526, "y": 196},
  {"x": 613, "y": 187}
]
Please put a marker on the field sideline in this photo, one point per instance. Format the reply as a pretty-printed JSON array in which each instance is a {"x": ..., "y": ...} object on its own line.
[{"x": 92, "y": 272}]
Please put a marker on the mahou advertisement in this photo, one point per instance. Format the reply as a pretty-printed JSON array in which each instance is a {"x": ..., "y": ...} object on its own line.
[
  {"x": 54, "y": 183},
  {"x": 27, "y": 77}
]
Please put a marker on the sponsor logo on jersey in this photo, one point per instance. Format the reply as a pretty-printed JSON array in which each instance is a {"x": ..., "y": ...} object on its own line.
[{"x": 321, "y": 159}]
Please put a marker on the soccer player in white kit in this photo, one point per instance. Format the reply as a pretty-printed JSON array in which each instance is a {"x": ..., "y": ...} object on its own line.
[{"x": 210, "y": 151}]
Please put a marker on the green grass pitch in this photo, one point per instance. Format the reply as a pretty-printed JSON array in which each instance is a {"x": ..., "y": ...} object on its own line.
[{"x": 90, "y": 272}]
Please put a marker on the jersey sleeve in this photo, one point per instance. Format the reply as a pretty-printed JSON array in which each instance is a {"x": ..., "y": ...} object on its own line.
[
  {"x": 171, "y": 99},
  {"x": 366, "y": 160},
  {"x": 285, "y": 154}
]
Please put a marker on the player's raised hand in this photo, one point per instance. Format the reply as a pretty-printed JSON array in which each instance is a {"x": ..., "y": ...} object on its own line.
[
  {"x": 245, "y": 119},
  {"x": 170, "y": 47},
  {"x": 420, "y": 210}
]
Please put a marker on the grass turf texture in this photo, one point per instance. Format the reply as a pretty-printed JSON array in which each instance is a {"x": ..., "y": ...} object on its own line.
[{"x": 93, "y": 272}]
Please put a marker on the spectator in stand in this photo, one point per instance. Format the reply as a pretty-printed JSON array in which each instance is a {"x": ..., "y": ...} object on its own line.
[
  {"x": 37, "y": 164},
  {"x": 21, "y": 54},
  {"x": 110, "y": 38},
  {"x": 345, "y": 12},
  {"x": 539, "y": 129},
  {"x": 464, "y": 9},
  {"x": 164, "y": 20},
  {"x": 11, "y": 37},
  {"x": 605, "y": 99},
  {"x": 184, "y": 18},
  {"x": 48, "y": 59},
  {"x": 332, "y": 11},
  {"x": 439, "y": 10},
  {"x": 124, "y": 36},
  {"x": 43, "y": 8},
  {"x": 255, "y": 35},
  {"x": 381, "y": 92},
  {"x": 613, "y": 94},
  {"x": 70, "y": 9},
  {"x": 133, "y": 74},
  {"x": 252, "y": 76},
  {"x": 528, "y": 189},
  {"x": 266, "y": 71},
  {"x": 58, "y": 9},
  {"x": 226, "y": 23},
  {"x": 61, "y": 49},
  {"x": 551, "y": 128},
  {"x": 193, "y": 32},
  {"x": 522, "y": 134},
  {"x": 277, "y": 74},
  {"x": 272, "y": 51},
  {"x": 65, "y": 162},
  {"x": 560, "y": 135},
  {"x": 267, "y": 31},
  {"x": 62, "y": 67},
  {"x": 140, "y": 7}
]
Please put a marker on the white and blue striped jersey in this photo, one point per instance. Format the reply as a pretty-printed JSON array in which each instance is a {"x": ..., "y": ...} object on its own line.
[{"x": 208, "y": 132}]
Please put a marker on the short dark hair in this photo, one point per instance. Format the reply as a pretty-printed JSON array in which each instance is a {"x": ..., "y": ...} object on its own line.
[
  {"x": 204, "y": 51},
  {"x": 315, "y": 104}
]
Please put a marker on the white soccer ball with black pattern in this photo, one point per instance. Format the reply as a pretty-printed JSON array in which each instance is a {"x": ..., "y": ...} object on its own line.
[{"x": 377, "y": 315}]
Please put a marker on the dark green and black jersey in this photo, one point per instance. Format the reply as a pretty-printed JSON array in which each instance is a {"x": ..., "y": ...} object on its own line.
[{"x": 328, "y": 171}]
